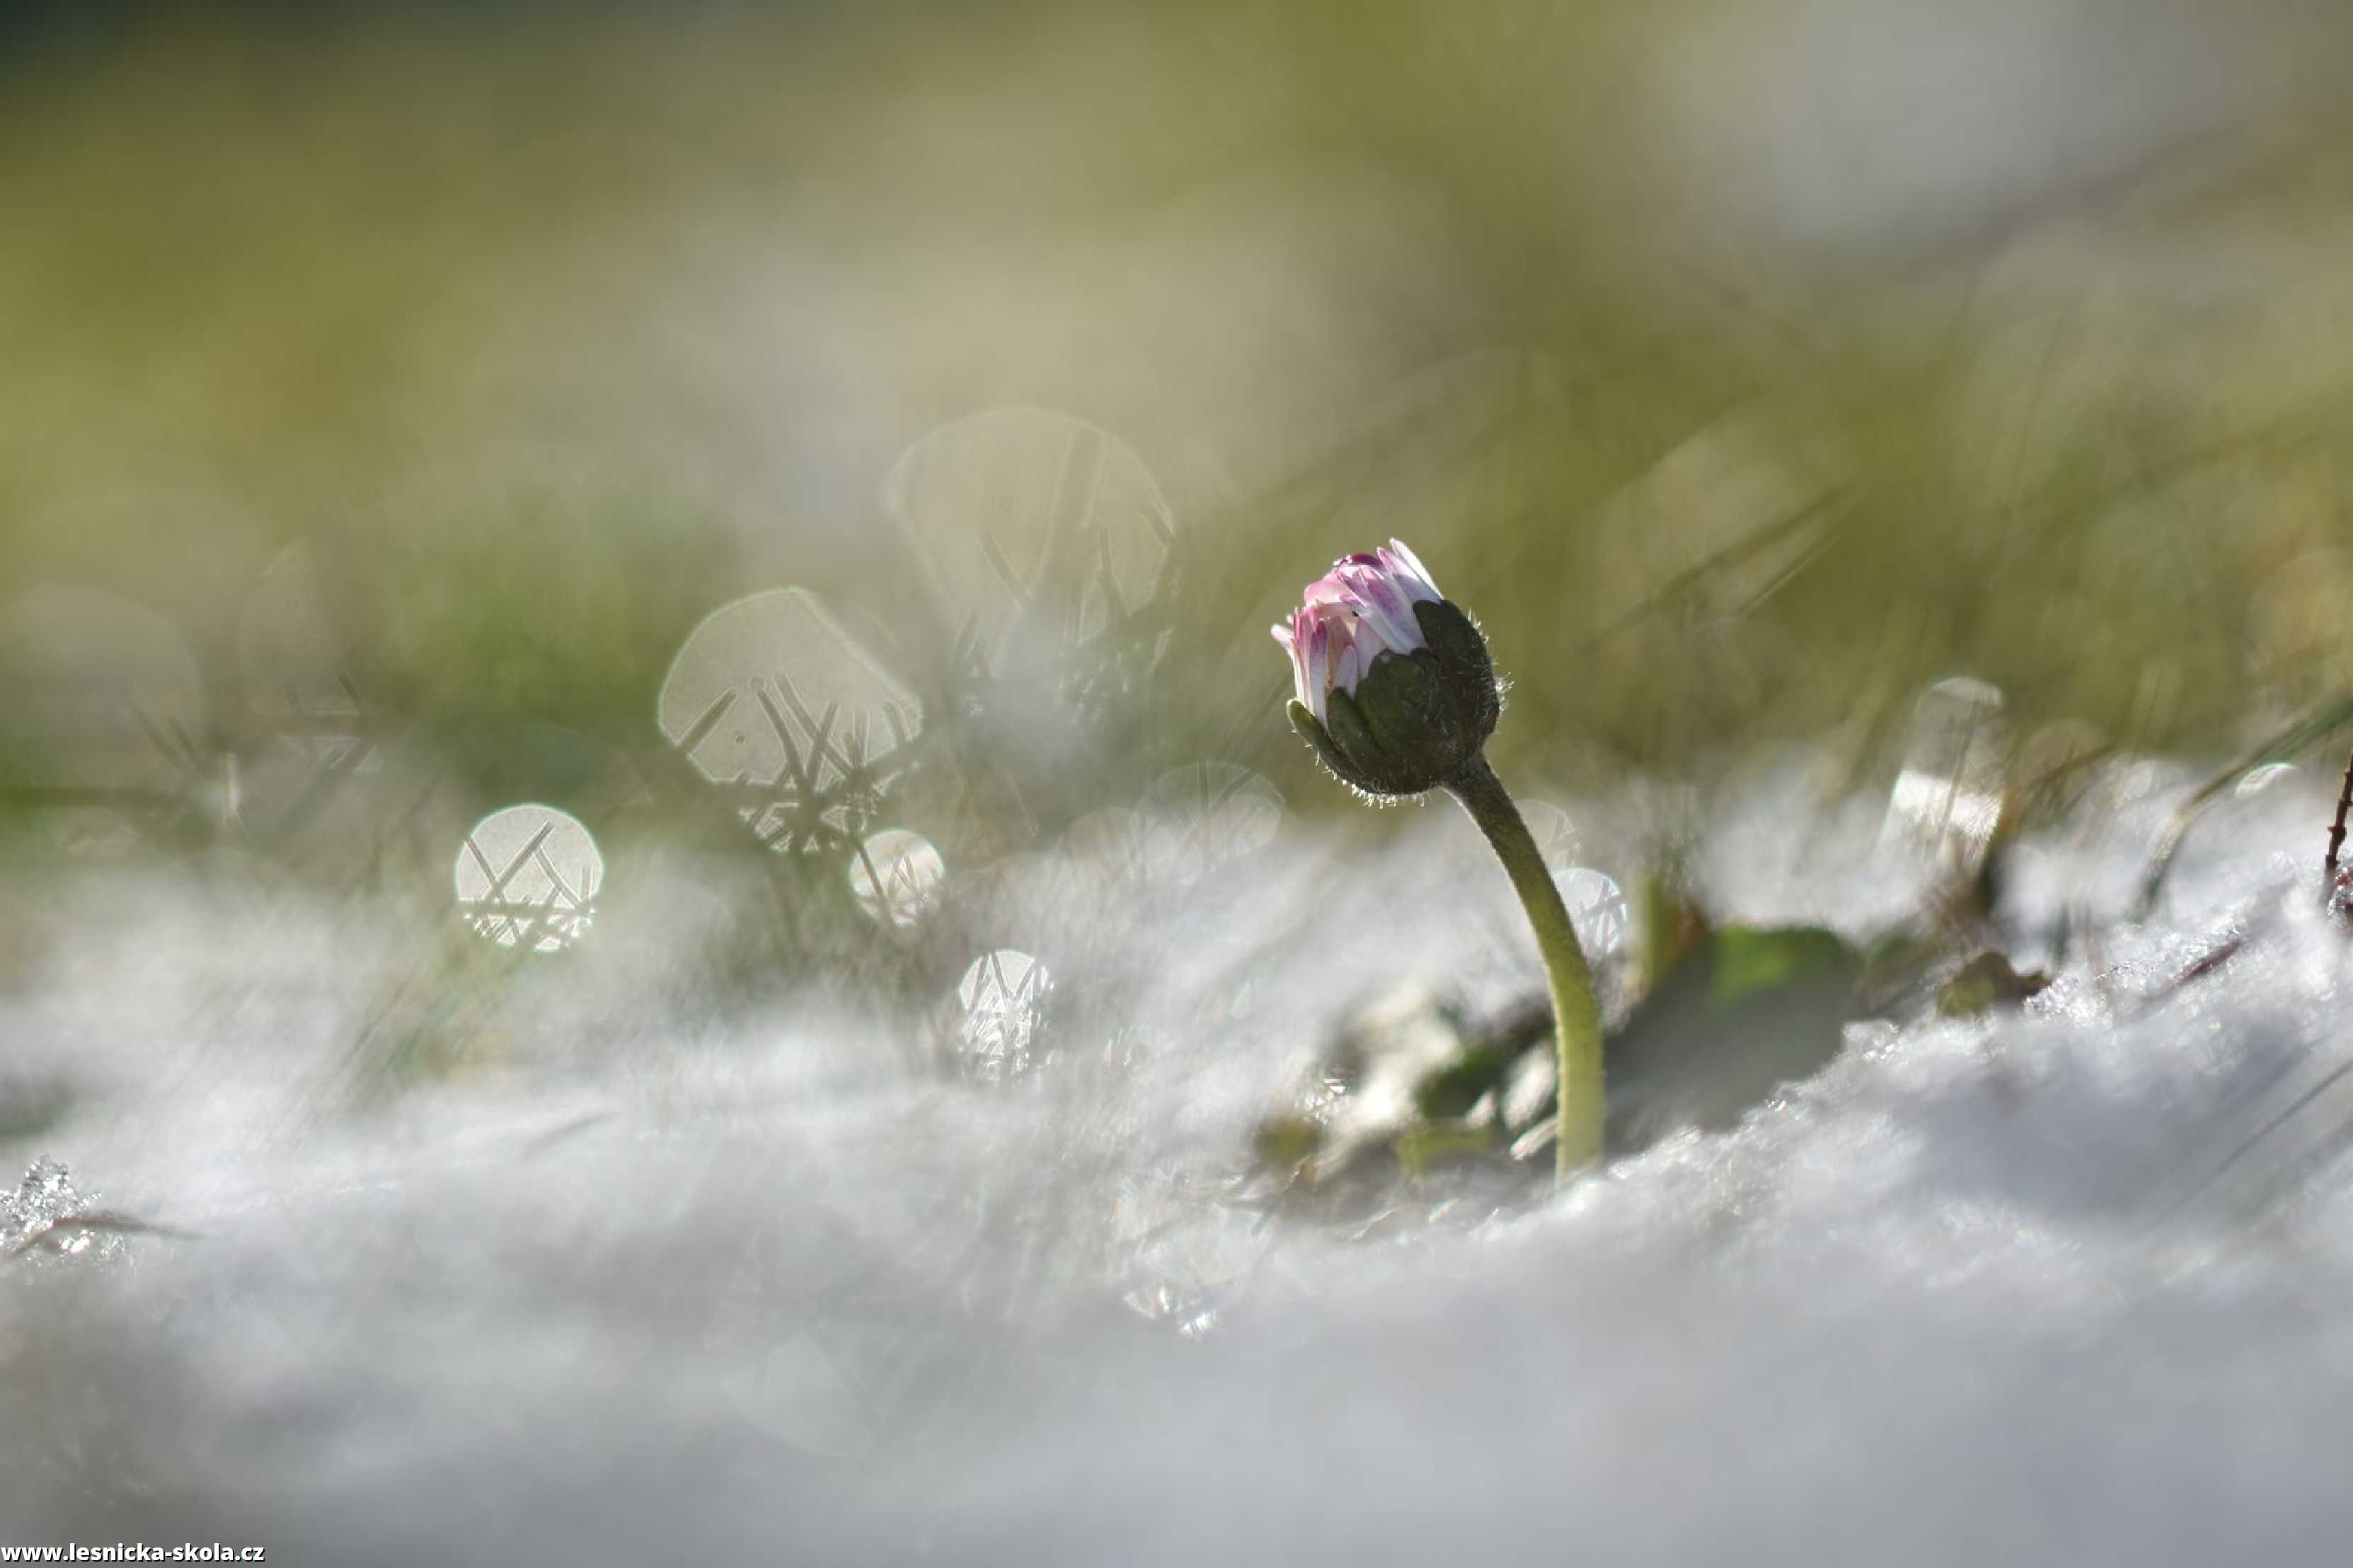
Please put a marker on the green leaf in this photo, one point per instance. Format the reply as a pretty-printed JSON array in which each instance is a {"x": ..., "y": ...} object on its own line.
[
  {"x": 1451, "y": 1091},
  {"x": 1985, "y": 983},
  {"x": 1286, "y": 1142},
  {"x": 1749, "y": 1009},
  {"x": 1750, "y": 959},
  {"x": 1422, "y": 1149}
]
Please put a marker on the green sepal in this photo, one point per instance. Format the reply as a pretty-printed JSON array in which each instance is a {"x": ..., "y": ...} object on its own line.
[
  {"x": 1352, "y": 738},
  {"x": 1463, "y": 657},
  {"x": 1457, "y": 721},
  {"x": 1451, "y": 635},
  {"x": 1405, "y": 703},
  {"x": 1316, "y": 735}
]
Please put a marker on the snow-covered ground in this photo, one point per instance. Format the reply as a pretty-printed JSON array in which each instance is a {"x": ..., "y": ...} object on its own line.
[{"x": 633, "y": 1284}]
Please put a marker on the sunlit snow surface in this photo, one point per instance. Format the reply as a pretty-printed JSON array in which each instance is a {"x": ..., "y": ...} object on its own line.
[{"x": 660, "y": 1284}]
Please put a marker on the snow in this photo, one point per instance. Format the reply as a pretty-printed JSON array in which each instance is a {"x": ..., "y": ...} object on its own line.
[{"x": 2060, "y": 1284}]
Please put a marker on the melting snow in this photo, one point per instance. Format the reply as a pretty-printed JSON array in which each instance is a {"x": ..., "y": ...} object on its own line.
[{"x": 2064, "y": 1284}]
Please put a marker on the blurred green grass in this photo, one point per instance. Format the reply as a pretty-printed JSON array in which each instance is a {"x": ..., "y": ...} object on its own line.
[{"x": 548, "y": 339}]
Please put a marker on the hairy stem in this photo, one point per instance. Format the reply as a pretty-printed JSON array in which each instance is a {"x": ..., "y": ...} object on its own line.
[{"x": 1575, "y": 1019}]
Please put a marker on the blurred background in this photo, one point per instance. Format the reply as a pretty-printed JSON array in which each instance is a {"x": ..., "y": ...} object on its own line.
[
  {"x": 905, "y": 419},
  {"x": 1743, "y": 367}
]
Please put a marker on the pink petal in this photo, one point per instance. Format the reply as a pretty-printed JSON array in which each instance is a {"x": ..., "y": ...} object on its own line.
[
  {"x": 1375, "y": 588},
  {"x": 1315, "y": 669},
  {"x": 1386, "y": 612},
  {"x": 1289, "y": 637},
  {"x": 1325, "y": 590},
  {"x": 1412, "y": 574},
  {"x": 1348, "y": 669}
]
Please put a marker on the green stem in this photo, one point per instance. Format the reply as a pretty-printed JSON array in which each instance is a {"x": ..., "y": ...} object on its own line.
[{"x": 1576, "y": 1020}]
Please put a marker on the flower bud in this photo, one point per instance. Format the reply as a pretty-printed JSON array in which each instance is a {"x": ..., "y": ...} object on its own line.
[{"x": 1396, "y": 690}]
